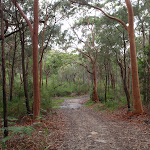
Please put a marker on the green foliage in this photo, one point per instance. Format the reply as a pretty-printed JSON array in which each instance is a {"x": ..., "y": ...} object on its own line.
[
  {"x": 89, "y": 103},
  {"x": 111, "y": 104},
  {"x": 57, "y": 102},
  {"x": 46, "y": 99},
  {"x": 14, "y": 130},
  {"x": 16, "y": 107}
]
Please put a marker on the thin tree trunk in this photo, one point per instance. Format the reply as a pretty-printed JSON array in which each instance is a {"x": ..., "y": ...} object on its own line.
[
  {"x": 95, "y": 94},
  {"x": 129, "y": 78},
  {"x": 21, "y": 81},
  {"x": 42, "y": 50},
  {"x": 4, "y": 75},
  {"x": 144, "y": 81},
  {"x": 148, "y": 76},
  {"x": 137, "y": 103},
  {"x": 9, "y": 70},
  {"x": 124, "y": 75},
  {"x": 89, "y": 76},
  {"x": 125, "y": 84},
  {"x": 78, "y": 86},
  {"x": 46, "y": 78},
  {"x": 106, "y": 88},
  {"x": 24, "y": 72},
  {"x": 12, "y": 69}
]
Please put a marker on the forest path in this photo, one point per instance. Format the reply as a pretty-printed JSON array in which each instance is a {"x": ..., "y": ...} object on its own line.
[{"x": 88, "y": 129}]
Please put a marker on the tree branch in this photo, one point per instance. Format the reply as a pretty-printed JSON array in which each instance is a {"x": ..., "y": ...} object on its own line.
[
  {"x": 98, "y": 8},
  {"x": 86, "y": 67},
  {"x": 12, "y": 32},
  {"x": 24, "y": 16}
]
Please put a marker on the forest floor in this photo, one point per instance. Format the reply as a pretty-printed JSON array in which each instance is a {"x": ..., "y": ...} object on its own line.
[{"x": 77, "y": 127}]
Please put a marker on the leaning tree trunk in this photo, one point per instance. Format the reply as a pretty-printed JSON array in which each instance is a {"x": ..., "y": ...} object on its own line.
[
  {"x": 4, "y": 74},
  {"x": 137, "y": 104}
]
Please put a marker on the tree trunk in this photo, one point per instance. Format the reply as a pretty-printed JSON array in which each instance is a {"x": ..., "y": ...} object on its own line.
[
  {"x": 106, "y": 88},
  {"x": 4, "y": 75},
  {"x": 42, "y": 51},
  {"x": 95, "y": 94},
  {"x": 9, "y": 70},
  {"x": 12, "y": 70},
  {"x": 24, "y": 72},
  {"x": 148, "y": 76},
  {"x": 137, "y": 104},
  {"x": 78, "y": 85},
  {"x": 144, "y": 77},
  {"x": 124, "y": 75},
  {"x": 46, "y": 78},
  {"x": 40, "y": 75},
  {"x": 127, "y": 93},
  {"x": 36, "y": 94},
  {"x": 89, "y": 76},
  {"x": 21, "y": 81},
  {"x": 34, "y": 36},
  {"x": 129, "y": 77}
]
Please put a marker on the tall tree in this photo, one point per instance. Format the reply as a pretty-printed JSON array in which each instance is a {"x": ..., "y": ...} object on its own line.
[
  {"x": 137, "y": 103},
  {"x": 3, "y": 71},
  {"x": 90, "y": 51},
  {"x": 34, "y": 36}
]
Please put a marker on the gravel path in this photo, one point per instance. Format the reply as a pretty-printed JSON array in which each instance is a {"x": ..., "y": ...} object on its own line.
[{"x": 87, "y": 129}]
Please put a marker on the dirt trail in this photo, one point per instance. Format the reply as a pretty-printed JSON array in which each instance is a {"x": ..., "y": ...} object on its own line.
[{"x": 87, "y": 129}]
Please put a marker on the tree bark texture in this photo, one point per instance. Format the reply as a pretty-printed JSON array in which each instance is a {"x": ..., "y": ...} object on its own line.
[
  {"x": 36, "y": 94},
  {"x": 4, "y": 74},
  {"x": 137, "y": 104}
]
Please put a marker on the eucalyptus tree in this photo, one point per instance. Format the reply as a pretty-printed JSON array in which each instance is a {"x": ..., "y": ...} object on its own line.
[
  {"x": 51, "y": 29},
  {"x": 142, "y": 13},
  {"x": 34, "y": 36},
  {"x": 137, "y": 103},
  {"x": 113, "y": 39},
  {"x": 89, "y": 49}
]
